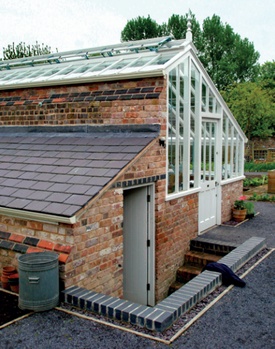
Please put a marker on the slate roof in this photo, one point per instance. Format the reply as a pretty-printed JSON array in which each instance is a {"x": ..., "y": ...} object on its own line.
[{"x": 58, "y": 170}]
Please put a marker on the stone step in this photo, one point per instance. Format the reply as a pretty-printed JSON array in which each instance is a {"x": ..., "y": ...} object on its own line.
[
  {"x": 201, "y": 259},
  {"x": 217, "y": 247},
  {"x": 187, "y": 272},
  {"x": 174, "y": 287}
]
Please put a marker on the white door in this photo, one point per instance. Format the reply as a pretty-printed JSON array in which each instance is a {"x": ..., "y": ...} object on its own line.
[
  {"x": 208, "y": 197},
  {"x": 138, "y": 245}
]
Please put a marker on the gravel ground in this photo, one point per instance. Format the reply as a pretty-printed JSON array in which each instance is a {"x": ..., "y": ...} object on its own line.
[
  {"x": 263, "y": 225},
  {"x": 243, "y": 318}
]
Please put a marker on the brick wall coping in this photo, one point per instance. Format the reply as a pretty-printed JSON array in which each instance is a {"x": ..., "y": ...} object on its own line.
[
  {"x": 162, "y": 316},
  {"x": 26, "y": 244}
]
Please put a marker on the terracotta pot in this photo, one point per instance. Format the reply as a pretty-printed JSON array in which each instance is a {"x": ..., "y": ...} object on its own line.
[
  {"x": 14, "y": 282},
  {"x": 239, "y": 215},
  {"x": 6, "y": 272}
]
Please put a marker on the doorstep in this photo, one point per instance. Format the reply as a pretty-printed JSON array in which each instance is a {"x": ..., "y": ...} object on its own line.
[{"x": 165, "y": 313}]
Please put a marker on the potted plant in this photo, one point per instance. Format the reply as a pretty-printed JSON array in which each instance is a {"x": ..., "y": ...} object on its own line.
[
  {"x": 250, "y": 209},
  {"x": 239, "y": 209}
]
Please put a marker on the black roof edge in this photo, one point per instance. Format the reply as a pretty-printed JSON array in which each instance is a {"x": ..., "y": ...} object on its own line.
[{"x": 155, "y": 128}]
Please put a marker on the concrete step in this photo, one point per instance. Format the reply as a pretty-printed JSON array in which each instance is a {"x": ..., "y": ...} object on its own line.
[{"x": 200, "y": 259}]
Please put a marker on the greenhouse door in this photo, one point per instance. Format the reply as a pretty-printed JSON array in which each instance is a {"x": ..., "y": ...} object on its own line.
[
  {"x": 138, "y": 245},
  {"x": 209, "y": 195}
]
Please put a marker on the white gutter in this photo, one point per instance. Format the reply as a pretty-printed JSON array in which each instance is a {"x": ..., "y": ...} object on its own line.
[{"x": 39, "y": 217}]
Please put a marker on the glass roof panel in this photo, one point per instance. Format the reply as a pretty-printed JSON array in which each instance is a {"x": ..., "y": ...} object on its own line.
[{"x": 121, "y": 59}]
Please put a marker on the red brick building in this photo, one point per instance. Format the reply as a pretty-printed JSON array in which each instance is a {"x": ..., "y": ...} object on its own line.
[{"x": 115, "y": 157}]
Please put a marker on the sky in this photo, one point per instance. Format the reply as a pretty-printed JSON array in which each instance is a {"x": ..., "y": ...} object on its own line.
[{"x": 77, "y": 24}]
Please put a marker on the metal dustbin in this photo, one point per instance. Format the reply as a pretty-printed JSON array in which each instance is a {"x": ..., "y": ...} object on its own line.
[{"x": 38, "y": 281}]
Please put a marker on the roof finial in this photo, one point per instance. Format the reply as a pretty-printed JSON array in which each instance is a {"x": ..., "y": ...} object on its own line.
[{"x": 189, "y": 35}]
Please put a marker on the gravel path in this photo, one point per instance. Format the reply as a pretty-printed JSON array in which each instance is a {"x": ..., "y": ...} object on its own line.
[{"x": 242, "y": 319}]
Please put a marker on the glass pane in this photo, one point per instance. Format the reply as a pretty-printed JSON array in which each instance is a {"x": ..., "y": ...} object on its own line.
[
  {"x": 172, "y": 131},
  {"x": 208, "y": 151},
  {"x": 204, "y": 96}
]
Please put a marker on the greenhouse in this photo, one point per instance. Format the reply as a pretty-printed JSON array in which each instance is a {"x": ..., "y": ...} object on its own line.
[{"x": 116, "y": 157}]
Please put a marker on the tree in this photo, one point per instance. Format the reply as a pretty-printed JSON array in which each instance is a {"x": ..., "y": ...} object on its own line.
[
  {"x": 22, "y": 50},
  {"x": 253, "y": 108},
  {"x": 177, "y": 26},
  {"x": 225, "y": 55},
  {"x": 140, "y": 28},
  {"x": 267, "y": 77}
]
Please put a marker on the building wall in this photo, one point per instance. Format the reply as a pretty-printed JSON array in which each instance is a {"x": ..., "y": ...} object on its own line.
[{"x": 260, "y": 150}]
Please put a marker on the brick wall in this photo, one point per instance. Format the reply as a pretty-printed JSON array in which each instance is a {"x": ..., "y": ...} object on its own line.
[
  {"x": 19, "y": 236},
  {"x": 122, "y": 102},
  {"x": 230, "y": 193},
  {"x": 176, "y": 225}
]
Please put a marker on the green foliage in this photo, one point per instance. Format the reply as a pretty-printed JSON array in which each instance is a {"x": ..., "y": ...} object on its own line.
[
  {"x": 225, "y": 55},
  {"x": 177, "y": 26},
  {"x": 253, "y": 108},
  {"x": 267, "y": 76},
  {"x": 255, "y": 182},
  {"x": 239, "y": 205},
  {"x": 259, "y": 167},
  {"x": 262, "y": 197},
  {"x": 250, "y": 208},
  {"x": 140, "y": 28},
  {"x": 22, "y": 50}
]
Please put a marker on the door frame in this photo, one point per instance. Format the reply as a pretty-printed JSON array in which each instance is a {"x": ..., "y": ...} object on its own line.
[
  {"x": 151, "y": 238},
  {"x": 218, "y": 140}
]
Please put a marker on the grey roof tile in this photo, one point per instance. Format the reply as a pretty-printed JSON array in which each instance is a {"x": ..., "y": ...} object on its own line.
[
  {"x": 10, "y": 182},
  {"x": 42, "y": 185},
  {"x": 29, "y": 175},
  {"x": 5, "y": 200},
  {"x": 20, "y": 203},
  {"x": 99, "y": 181},
  {"x": 79, "y": 200},
  {"x": 57, "y": 173},
  {"x": 77, "y": 189},
  {"x": 22, "y": 193},
  {"x": 93, "y": 190},
  {"x": 7, "y": 190},
  {"x": 14, "y": 174},
  {"x": 60, "y": 178},
  {"x": 78, "y": 179},
  {"x": 59, "y": 187},
  {"x": 26, "y": 184},
  {"x": 39, "y": 195},
  {"x": 44, "y": 176},
  {"x": 58, "y": 197},
  {"x": 56, "y": 208},
  {"x": 36, "y": 206}
]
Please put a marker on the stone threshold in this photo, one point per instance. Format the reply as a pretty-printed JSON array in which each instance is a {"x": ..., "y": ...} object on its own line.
[{"x": 165, "y": 313}]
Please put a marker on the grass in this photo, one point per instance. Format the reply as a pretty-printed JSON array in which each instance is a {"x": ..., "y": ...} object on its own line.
[{"x": 259, "y": 166}]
